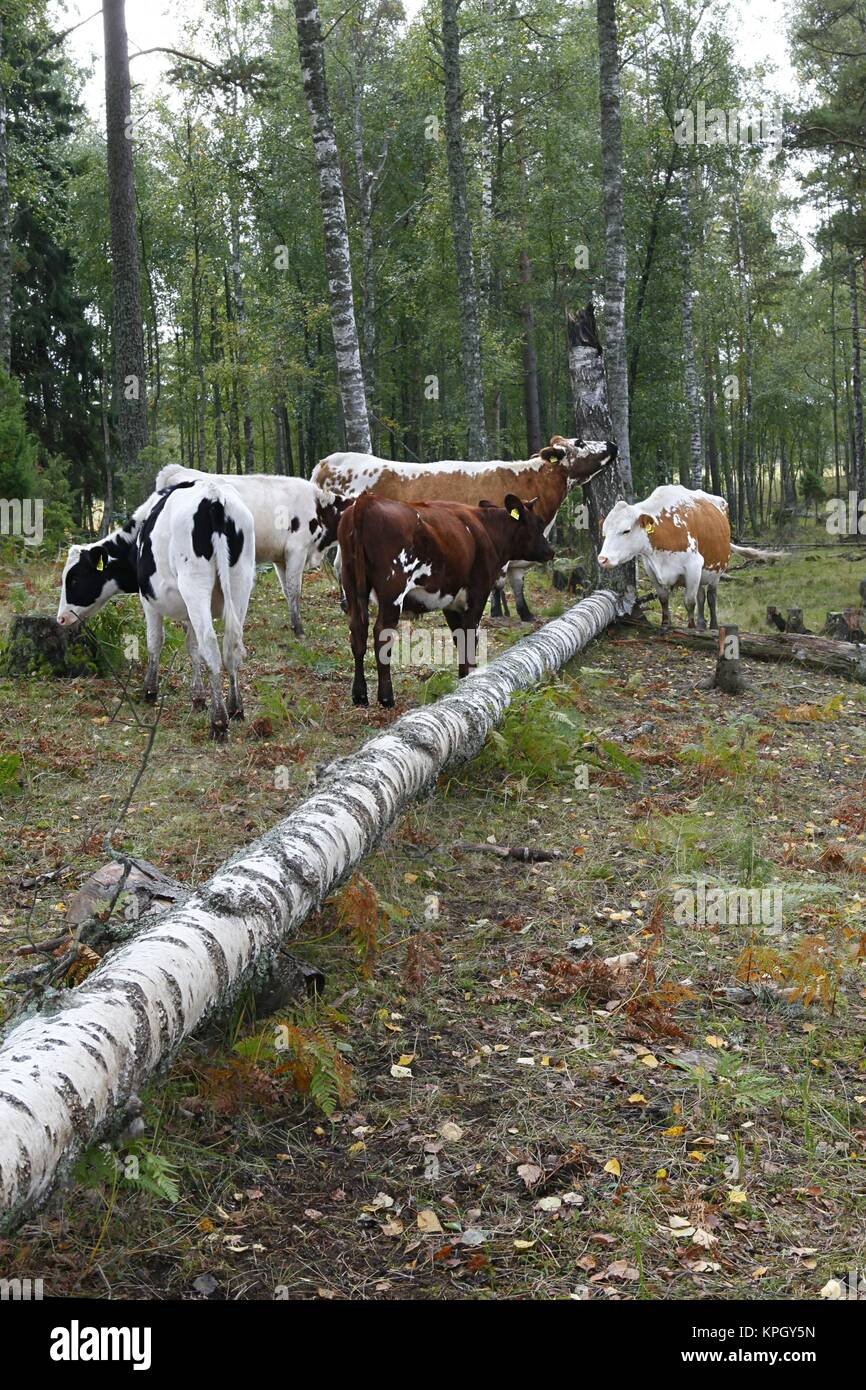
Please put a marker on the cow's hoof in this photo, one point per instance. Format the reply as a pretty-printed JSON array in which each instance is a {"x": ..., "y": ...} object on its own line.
[
  {"x": 359, "y": 699},
  {"x": 199, "y": 703},
  {"x": 150, "y": 697},
  {"x": 702, "y": 627},
  {"x": 344, "y": 605},
  {"x": 219, "y": 732},
  {"x": 387, "y": 701},
  {"x": 237, "y": 714},
  {"x": 298, "y": 631}
]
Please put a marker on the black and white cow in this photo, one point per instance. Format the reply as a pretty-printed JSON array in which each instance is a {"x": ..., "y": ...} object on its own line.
[
  {"x": 295, "y": 522},
  {"x": 189, "y": 553}
]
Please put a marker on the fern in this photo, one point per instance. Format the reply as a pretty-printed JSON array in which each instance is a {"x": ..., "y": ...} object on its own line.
[{"x": 360, "y": 913}]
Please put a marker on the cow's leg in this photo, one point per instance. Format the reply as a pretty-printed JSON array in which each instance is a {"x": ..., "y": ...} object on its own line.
[
  {"x": 233, "y": 651},
  {"x": 702, "y": 622},
  {"x": 692, "y": 587},
  {"x": 198, "y": 695},
  {"x": 517, "y": 578},
  {"x": 663, "y": 596},
  {"x": 498, "y": 600},
  {"x": 712, "y": 593},
  {"x": 155, "y": 638},
  {"x": 294, "y": 578},
  {"x": 456, "y": 622},
  {"x": 338, "y": 571},
  {"x": 384, "y": 634},
  {"x": 359, "y": 627},
  {"x": 196, "y": 593},
  {"x": 290, "y": 574}
]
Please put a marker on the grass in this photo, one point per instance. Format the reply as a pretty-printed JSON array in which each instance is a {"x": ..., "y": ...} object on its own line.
[{"x": 667, "y": 1090}]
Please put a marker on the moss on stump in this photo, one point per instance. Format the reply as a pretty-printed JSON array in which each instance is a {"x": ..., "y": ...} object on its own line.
[{"x": 37, "y": 646}]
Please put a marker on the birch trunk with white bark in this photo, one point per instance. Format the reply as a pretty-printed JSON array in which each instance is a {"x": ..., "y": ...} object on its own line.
[
  {"x": 350, "y": 376},
  {"x": 129, "y": 386},
  {"x": 614, "y": 234},
  {"x": 68, "y": 1077},
  {"x": 690, "y": 370},
  {"x": 461, "y": 227},
  {"x": 5, "y": 232}
]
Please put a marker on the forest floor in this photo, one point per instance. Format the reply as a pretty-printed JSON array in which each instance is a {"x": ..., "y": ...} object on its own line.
[{"x": 524, "y": 1120}]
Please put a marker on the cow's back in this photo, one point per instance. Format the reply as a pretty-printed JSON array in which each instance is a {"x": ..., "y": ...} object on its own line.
[
  {"x": 446, "y": 481},
  {"x": 699, "y": 523}
]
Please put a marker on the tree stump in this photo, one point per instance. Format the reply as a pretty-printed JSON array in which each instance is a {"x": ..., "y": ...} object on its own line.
[
  {"x": 845, "y": 626},
  {"x": 795, "y": 620},
  {"x": 729, "y": 676},
  {"x": 775, "y": 619},
  {"x": 36, "y": 646}
]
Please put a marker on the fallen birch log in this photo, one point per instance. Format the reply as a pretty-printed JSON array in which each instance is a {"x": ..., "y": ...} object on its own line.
[
  {"x": 846, "y": 659},
  {"x": 69, "y": 1077}
]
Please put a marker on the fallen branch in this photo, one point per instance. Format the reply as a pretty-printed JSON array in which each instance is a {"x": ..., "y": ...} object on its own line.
[
  {"x": 846, "y": 659},
  {"x": 524, "y": 852},
  {"x": 67, "y": 1079}
]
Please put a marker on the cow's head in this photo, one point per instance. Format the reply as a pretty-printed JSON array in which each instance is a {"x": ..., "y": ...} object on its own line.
[
  {"x": 329, "y": 508},
  {"x": 525, "y": 537},
  {"x": 626, "y": 530},
  {"x": 90, "y": 579},
  {"x": 581, "y": 458}
]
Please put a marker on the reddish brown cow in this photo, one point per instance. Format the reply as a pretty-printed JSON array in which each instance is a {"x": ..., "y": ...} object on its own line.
[
  {"x": 433, "y": 555},
  {"x": 547, "y": 476}
]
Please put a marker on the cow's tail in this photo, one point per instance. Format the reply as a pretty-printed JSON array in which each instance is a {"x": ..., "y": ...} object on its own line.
[
  {"x": 169, "y": 475},
  {"x": 233, "y": 640},
  {"x": 764, "y": 557},
  {"x": 353, "y": 562}
]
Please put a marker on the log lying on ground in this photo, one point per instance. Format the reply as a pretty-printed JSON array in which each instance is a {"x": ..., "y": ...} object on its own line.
[
  {"x": 67, "y": 1078},
  {"x": 846, "y": 659}
]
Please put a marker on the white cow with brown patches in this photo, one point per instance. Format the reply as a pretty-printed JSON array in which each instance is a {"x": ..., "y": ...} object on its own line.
[
  {"x": 681, "y": 537},
  {"x": 546, "y": 477}
]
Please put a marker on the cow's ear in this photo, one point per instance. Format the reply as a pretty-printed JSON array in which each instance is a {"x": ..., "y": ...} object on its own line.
[
  {"x": 514, "y": 507},
  {"x": 552, "y": 453},
  {"x": 486, "y": 503},
  {"x": 647, "y": 522}
]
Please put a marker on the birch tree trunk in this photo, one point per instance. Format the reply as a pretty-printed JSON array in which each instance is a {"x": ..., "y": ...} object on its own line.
[
  {"x": 350, "y": 376},
  {"x": 592, "y": 420},
  {"x": 470, "y": 337},
  {"x": 240, "y": 316},
  {"x": 65, "y": 1078},
  {"x": 614, "y": 236},
  {"x": 5, "y": 231},
  {"x": 690, "y": 370},
  {"x": 859, "y": 450},
  {"x": 748, "y": 443},
  {"x": 129, "y": 386}
]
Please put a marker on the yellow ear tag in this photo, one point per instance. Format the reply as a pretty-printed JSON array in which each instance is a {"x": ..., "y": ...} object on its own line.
[
  {"x": 649, "y": 529},
  {"x": 100, "y": 564},
  {"x": 515, "y": 513}
]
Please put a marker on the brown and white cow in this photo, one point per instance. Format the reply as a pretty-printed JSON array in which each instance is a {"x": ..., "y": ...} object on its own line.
[
  {"x": 546, "y": 476},
  {"x": 681, "y": 537},
  {"x": 433, "y": 555}
]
